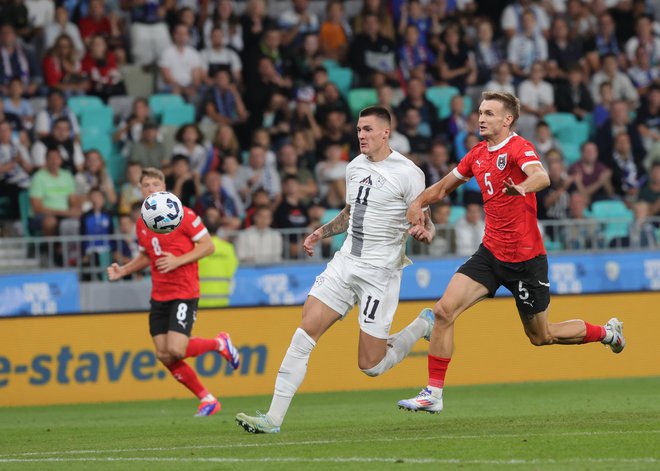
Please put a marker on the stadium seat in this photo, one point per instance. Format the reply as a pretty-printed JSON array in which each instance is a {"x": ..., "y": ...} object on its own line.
[
  {"x": 616, "y": 216},
  {"x": 138, "y": 82},
  {"x": 78, "y": 104},
  {"x": 178, "y": 115},
  {"x": 360, "y": 98},
  {"x": 24, "y": 210},
  {"x": 330, "y": 64},
  {"x": 571, "y": 153},
  {"x": 100, "y": 119},
  {"x": 342, "y": 77},
  {"x": 159, "y": 102},
  {"x": 121, "y": 105},
  {"x": 95, "y": 139},
  {"x": 577, "y": 133},
  {"x": 455, "y": 214},
  {"x": 441, "y": 98},
  {"x": 558, "y": 121},
  {"x": 467, "y": 99}
]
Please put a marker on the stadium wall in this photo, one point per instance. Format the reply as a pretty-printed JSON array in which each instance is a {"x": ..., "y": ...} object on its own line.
[{"x": 96, "y": 358}]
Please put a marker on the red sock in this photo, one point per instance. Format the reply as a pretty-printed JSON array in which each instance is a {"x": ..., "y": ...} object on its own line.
[
  {"x": 595, "y": 333},
  {"x": 197, "y": 346},
  {"x": 185, "y": 375},
  {"x": 437, "y": 371}
]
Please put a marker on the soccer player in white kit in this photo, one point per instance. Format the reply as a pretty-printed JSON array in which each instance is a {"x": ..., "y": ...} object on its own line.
[{"x": 380, "y": 185}]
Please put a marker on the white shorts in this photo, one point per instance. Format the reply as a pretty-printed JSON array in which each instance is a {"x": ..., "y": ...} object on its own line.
[{"x": 346, "y": 281}]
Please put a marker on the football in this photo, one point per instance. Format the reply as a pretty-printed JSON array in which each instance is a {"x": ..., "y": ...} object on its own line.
[{"x": 162, "y": 212}]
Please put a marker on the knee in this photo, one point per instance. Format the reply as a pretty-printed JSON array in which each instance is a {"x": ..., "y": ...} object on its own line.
[
  {"x": 164, "y": 357},
  {"x": 49, "y": 225},
  {"x": 540, "y": 339},
  {"x": 444, "y": 313},
  {"x": 176, "y": 353},
  {"x": 372, "y": 368}
]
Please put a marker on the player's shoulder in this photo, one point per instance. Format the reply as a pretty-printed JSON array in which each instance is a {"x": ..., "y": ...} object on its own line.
[
  {"x": 191, "y": 218},
  {"x": 477, "y": 149},
  {"x": 520, "y": 143},
  {"x": 356, "y": 162},
  {"x": 405, "y": 164}
]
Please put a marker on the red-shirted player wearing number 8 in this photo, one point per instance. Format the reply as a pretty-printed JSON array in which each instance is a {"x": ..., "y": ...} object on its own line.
[
  {"x": 512, "y": 254},
  {"x": 175, "y": 293}
]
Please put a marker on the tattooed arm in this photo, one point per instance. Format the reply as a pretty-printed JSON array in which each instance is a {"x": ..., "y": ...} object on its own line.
[
  {"x": 337, "y": 226},
  {"x": 424, "y": 233}
]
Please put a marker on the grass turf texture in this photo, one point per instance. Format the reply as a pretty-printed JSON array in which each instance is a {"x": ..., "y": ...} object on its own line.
[{"x": 593, "y": 425}]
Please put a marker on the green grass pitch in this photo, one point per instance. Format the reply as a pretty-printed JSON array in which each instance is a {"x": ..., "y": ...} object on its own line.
[{"x": 590, "y": 425}]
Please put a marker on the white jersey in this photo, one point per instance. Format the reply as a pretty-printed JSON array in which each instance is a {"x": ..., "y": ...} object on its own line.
[{"x": 379, "y": 194}]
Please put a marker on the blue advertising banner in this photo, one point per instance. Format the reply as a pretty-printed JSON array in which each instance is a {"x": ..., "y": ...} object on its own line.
[
  {"x": 39, "y": 293},
  {"x": 427, "y": 279}
]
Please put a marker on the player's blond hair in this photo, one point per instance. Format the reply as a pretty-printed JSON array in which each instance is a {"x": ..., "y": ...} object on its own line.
[
  {"x": 152, "y": 172},
  {"x": 511, "y": 103}
]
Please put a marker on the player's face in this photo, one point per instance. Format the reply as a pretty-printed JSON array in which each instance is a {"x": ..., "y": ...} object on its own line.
[
  {"x": 492, "y": 118},
  {"x": 150, "y": 185},
  {"x": 373, "y": 134}
]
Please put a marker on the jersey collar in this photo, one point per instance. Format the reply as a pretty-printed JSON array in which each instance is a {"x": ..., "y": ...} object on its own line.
[{"x": 502, "y": 144}]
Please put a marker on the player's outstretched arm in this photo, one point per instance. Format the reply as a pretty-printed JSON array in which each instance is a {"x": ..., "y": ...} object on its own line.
[
  {"x": 138, "y": 263},
  {"x": 432, "y": 194},
  {"x": 337, "y": 226},
  {"x": 537, "y": 179},
  {"x": 168, "y": 262}
]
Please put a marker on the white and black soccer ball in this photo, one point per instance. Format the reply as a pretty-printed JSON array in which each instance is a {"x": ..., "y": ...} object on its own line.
[{"x": 162, "y": 212}]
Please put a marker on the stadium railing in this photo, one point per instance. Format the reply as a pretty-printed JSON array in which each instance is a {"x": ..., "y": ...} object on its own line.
[{"x": 26, "y": 254}]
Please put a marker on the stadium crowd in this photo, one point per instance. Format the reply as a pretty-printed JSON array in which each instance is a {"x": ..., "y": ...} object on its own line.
[{"x": 252, "y": 116}]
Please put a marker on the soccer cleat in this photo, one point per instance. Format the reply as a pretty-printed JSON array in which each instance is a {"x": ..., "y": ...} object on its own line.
[
  {"x": 424, "y": 401},
  {"x": 227, "y": 350},
  {"x": 207, "y": 408},
  {"x": 428, "y": 316},
  {"x": 259, "y": 424},
  {"x": 618, "y": 342}
]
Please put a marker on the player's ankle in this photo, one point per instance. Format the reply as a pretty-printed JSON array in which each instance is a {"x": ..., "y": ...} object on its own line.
[
  {"x": 208, "y": 398},
  {"x": 435, "y": 391},
  {"x": 609, "y": 335}
]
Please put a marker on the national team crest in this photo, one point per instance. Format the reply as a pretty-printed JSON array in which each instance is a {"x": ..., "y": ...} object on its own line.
[{"x": 501, "y": 161}]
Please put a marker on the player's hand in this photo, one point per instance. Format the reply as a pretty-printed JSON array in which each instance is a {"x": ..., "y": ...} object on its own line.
[
  {"x": 420, "y": 233},
  {"x": 310, "y": 242},
  {"x": 415, "y": 215},
  {"x": 512, "y": 189},
  {"x": 167, "y": 263},
  {"x": 114, "y": 272}
]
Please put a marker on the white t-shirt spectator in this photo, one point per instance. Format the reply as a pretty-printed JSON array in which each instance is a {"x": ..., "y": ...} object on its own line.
[
  {"x": 622, "y": 87},
  {"x": 43, "y": 123},
  {"x": 181, "y": 63},
  {"x": 224, "y": 56},
  {"x": 524, "y": 51},
  {"x": 54, "y": 30},
  {"x": 259, "y": 246},
  {"x": 198, "y": 157},
  {"x": 468, "y": 236},
  {"x": 536, "y": 95},
  {"x": 40, "y": 12},
  {"x": 328, "y": 172},
  {"x": 652, "y": 49},
  {"x": 289, "y": 19},
  {"x": 39, "y": 150},
  {"x": 512, "y": 18}
]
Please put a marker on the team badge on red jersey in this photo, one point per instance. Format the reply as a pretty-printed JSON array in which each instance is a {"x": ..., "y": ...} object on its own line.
[{"x": 501, "y": 161}]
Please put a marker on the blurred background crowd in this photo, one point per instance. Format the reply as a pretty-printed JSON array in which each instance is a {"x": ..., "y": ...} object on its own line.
[{"x": 249, "y": 108}]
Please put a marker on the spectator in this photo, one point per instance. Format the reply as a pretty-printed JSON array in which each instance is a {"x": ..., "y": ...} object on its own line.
[
  {"x": 456, "y": 67},
  {"x": 222, "y": 104},
  {"x": 334, "y": 133},
  {"x": 650, "y": 191},
  {"x": 441, "y": 243},
  {"x": 543, "y": 140},
  {"x": 456, "y": 122},
  {"x": 622, "y": 87},
  {"x": 513, "y": 18},
  {"x": 148, "y": 151},
  {"x": 18, "y": 62},
  {"x": 289, "y": 165},
  {"x": 303, "y": 119},
  {"x": 260, "y": 175},
  {"x": 297, "y": 22},
  {"x": 417, "y": 132},
  {"x": 537, "y": 98},
  {"x": 186, "y": 16},
  {"x": 641, "y": 233},
  {"x": 55, "y": 109},
  {"x": 100, "y": 68},
  {"x": 95, "y": 175},
  {"x": 41, "y": 12},
  {"x": 527, "y": 47},
  {"x": 259, "y": 198},
  {"x": 381, "y": 10},
  {"x": 306, "y": 59},
  {"x": 602, "y": 110},
  {"x": 592, "y": 178},
  {"x": 17, "y": 105},
  {"x": 181, "y": 66},
  {"x": 224, "y": 144},
  {"x": 259, "y": 243},
  {"x": 305, "y": 146},
  {"x": 254, "y": 22},
  {"x": 130, "y": 192},
  {"x": 15, "y": 169},
  {"x": 416, "y": 98},
  {"x": 261, "y": 138},
  {"x": 502, "y": 80},
  {"x": 627, "y": 171},
  {"x": 604, "y": 43},
  {"x": 583, "y": 233},
  {"x": 554, "y": 201},
  {"x": 572, "y": 95},
  {"x": 149, "y": 34},
  {"x": 235, "y": 176},
  {"x": 335, "y": 32},
  {"x": 270, "y": 46},
  {"x": 182, "y": 181},
  {"x": 268, "y": 82},
  {"x": 331, "y": 100},
  {"x": 62, "y": 68},
  {"x": 331, "y": 171},
  {"x": 276, "y": 120},
  {"x": 224, "y": 18},
  {"x": 619, "y": 122},
  {"x": 292, "y": 214},
  {"x": 95, "y": 222},
  {"x": 217, "y": 57},
  {"x": 55, "y": 205},
  {"x": 437, "y": 165},
  {"x": 470, "y": 130},
  {"x": 398, "y": 141},
  {"x": 190, "y": 142},
  {"x": 97, "y": 23},
  {"x": 60, "y": 138},
  {"x": 581, "y": 17},
  {"x": 415, "y": 58},
  {"x": 129, "y": 130},
  {"x": 643, "y": 74},
  {"x": 385, "y": 95},
  {"x": 470, "y": 230},
  {"x": 564, "y": 52},
  {"x": 62, "y": 26},
  {"x": 216, "y": 197},
  {"x": 648, "y": 125},
  {"x": 372, "y": 52},
  {"x": 489, "y": 53},
  {"x": 645, "y": 38},
  {"x": 127, "y": 247}
]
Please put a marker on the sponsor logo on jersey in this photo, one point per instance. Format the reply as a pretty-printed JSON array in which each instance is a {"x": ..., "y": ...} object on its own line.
[
  {"x": 530, "y": 153},
  {"x": 366, "y": 180},
  {"x": 501, "y": 161}
]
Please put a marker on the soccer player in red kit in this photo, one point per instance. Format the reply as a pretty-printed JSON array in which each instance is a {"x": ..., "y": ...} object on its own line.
[
  {"x": 175, "y": 293},
  {"x": 509, "y": 172}
]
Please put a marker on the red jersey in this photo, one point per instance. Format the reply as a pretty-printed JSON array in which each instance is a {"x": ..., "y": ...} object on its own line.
[
  {"x": 182, "y": 283},
  {"x": 512, "y": 232}
]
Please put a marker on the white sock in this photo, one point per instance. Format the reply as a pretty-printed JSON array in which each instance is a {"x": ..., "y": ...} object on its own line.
[
  {"x": 435, "y": 392},
  {"x": 291, "y": 375},
  {"x": 209, "y": 398},
  {"x": 398, "y": 347}
]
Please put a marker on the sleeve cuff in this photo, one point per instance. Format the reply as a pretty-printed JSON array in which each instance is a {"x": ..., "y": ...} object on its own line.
[
  {"x": 458, "y": 175},
  {"x": 200, "y": 234}
]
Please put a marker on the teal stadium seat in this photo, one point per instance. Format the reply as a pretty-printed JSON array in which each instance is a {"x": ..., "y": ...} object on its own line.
[
  {"x": 467, "y": 99},
  {"x": 571, "y": 153},
  {"x": 441, "y": 98},
  {"x": 95, "y": 139},
  {"x": 78, "y": 104},
  {"x": 577, "y": 133},
  {"x": 159, "y": 102},
  {"x": 342, "y": 77},
  {"x": 558, "y": 121},
  {"x": 24, "y": 210},
  {"x": 178, "y": 115},
  {"x": 330, "y": 64},
  {"x": 360, "y": 98},
  {"x": 455, "y": 214},
  {"x": 99, "y": 119},
  {"x": 606, "y": 212}
]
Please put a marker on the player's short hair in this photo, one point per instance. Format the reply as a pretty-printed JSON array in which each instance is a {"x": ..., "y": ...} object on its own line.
[
  {"x": 152, "y": 172},
  {"x": 377, "y": 111},
  {"x": 510, "y": 102}
]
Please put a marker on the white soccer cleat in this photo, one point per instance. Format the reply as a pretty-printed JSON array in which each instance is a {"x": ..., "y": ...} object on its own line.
[
  {"x": 618, "y": 342},
  {"x": 259, "y": 424},
  {"x": 424, "y": 401},
  {"x": 427, "y": 316}
]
